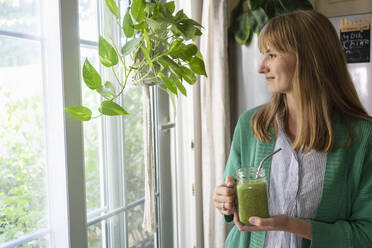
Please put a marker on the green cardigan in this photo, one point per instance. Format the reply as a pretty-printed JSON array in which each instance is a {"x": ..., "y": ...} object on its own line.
[{"x": 344, "y": 216}]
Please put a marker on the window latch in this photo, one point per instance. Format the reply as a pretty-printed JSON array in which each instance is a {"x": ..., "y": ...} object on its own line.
[{"x": 167, "y": 126}]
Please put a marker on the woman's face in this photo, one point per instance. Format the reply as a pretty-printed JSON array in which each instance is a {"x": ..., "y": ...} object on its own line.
[{"x": 279, "y": 69}]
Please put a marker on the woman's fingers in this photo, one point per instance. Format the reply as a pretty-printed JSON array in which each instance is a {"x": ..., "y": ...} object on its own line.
[
  {"x": 224, "y": 199},
  {"x": 225, "y": 207},
  {"x": 224, "y": 196},
  {"x": 279, "y": 222},
  {"x": 224, "y": 190},
  {"x": 243, "y": 227}
]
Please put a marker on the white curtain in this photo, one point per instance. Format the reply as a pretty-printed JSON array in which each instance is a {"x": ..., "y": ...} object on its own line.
[
  {"x": 215, "y": 115},
  {"x": 210, "y": 137},
  {"x": 149, "y": 220}
]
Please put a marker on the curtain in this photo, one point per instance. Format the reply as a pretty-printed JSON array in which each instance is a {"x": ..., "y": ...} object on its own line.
[
  {"x": 215, "y": 115},
  {"x": 211, "y": 137},
  {"x": 149, "y": 217}
]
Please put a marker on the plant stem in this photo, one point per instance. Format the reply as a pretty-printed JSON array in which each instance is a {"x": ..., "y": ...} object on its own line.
[
  {"x": 119, "y": 55},
  {"x": 95, "y": 117},
  {"x": 125, "y": 83},
  {"x": 116, "y": 76}
]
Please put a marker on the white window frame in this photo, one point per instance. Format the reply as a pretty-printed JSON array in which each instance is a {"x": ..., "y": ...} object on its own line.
[
  {"x": 64, "y": 142},
  {"x": 68, "y": 222}
]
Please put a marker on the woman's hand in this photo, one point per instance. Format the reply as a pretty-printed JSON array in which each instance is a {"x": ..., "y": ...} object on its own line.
[
  {"x": 224, "y": 196},
  {"x": 276, "y": 223}
]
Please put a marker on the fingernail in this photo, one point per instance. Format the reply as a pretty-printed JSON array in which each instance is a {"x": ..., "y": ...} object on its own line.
[
  {"x": 228, "y": 183},
  {"x": 252, "y": 220}
]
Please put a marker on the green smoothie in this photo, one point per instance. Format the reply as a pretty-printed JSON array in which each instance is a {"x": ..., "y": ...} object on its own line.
[{"x": 252, "y": 199}]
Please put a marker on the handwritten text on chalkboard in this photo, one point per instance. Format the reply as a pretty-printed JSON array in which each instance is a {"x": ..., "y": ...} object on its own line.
[{"x": 355, "y": 36}]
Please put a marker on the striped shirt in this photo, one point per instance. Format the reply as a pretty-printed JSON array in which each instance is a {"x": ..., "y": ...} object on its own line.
[{"x": 295, "y": 188}]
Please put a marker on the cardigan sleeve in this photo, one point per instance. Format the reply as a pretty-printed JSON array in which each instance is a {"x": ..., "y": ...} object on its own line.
[{"x": 357, "y": 230}]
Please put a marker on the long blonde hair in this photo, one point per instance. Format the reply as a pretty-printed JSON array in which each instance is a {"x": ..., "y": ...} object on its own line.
[{"x": 322, "y": 85}]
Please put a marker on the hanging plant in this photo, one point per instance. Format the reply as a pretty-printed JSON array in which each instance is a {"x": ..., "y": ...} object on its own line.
[
  {"x": 159, "y": 51},
  {"x": 250, "y": 16}
]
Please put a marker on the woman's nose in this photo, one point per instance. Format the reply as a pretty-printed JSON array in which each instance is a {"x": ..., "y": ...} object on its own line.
[{"x": 263, "y": 68}]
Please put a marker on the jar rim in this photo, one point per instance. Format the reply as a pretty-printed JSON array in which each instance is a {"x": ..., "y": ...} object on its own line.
[{"x": 250, "y": 173}]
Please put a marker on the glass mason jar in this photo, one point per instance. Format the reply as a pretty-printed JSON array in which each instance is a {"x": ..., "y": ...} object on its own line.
[{"x": 251, "y": 194}]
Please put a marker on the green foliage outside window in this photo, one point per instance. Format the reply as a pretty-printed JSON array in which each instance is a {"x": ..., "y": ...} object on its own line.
[{"x": 22, "y": 174}]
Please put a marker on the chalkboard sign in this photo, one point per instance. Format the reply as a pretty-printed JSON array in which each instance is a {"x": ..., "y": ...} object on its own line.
[{"x": 356, "y": 45}]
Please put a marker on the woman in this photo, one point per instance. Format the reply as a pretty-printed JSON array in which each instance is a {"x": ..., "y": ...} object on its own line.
[{"x": 320, "y": 184}]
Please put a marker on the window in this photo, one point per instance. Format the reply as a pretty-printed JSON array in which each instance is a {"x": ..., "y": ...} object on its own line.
[
  {"x": 23, "y": 192},
  {"x": 63, "y": 183}
]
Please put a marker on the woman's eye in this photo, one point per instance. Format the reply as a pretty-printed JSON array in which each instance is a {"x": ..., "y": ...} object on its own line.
[{"x": 271, "y": 56}]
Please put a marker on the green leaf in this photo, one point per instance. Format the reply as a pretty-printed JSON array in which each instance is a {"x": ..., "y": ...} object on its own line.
[
  {"x": 168, "y": 83},
  {"x": 128, "y": 27},
  {"x": 163, "y": 19},
  {"x": 179, "y": 50},
  {"x": 237, "y": 11},
  {"x": 164, "y": 11},
  {"x": 292, "y": 5},
  {"x": 111, "y": 108},
  {"x": 80, "y": 112},
  {"x": 187, "y": 30},
  {"x": 147, "y": 40},
  {"x": 147, "y": 56},
  {"x": 130, "y": 46},
  {"x": 278, "y": 8},
  {"x": 179, "y": 16},
  {"x": 138, "y": 10},
  {"x": 170, "y": 6},
  {"x": 178, "y": 84},
  {"x": 175, "y": 46},
  {"x": 107, "y": 91},
  {"x": 188, "y": 75},
  {"x": 107, "y": 54},
  {"x": 150, "y": 8},
  {"x": 191, "y": 50},
  {"x": 199, "y": 55},
  {"x": 253, "y": 24},
  {"x": 155, "y": 26},
  {"x": 197, "y": 33},
  {"x": 163, "y": 60},
  {"x": 261, "y": 19},
  {"x": 110, "y": 87},
  {"x": 166, "y": 62},
  {"x": 191, "y": 21},
  {"x": 113, "y": 8},
  {"x": 270, "y": 9},
  {"x": 91, "y": 77},
  {"x": 140, "y": 26},
  {"x": 254, "y": 4},
  {"x": 197, "y": 66},
  {"x": 242, "y": 30}
]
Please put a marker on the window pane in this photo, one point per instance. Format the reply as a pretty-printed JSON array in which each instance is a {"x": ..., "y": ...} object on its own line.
[
  {"x": 20, "y": 16},
  {"x": 95, "y": 236},
  {"x": 134, "y": 159},
  {"x": 15, "y": 53},
  {"x": 37, "y": 243},
  {"x": 88, "y": 26},
  {"x": 91, "y": 138},
  {"x": 136, "y": 236},
  {"x": 23, "y": 207}
]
